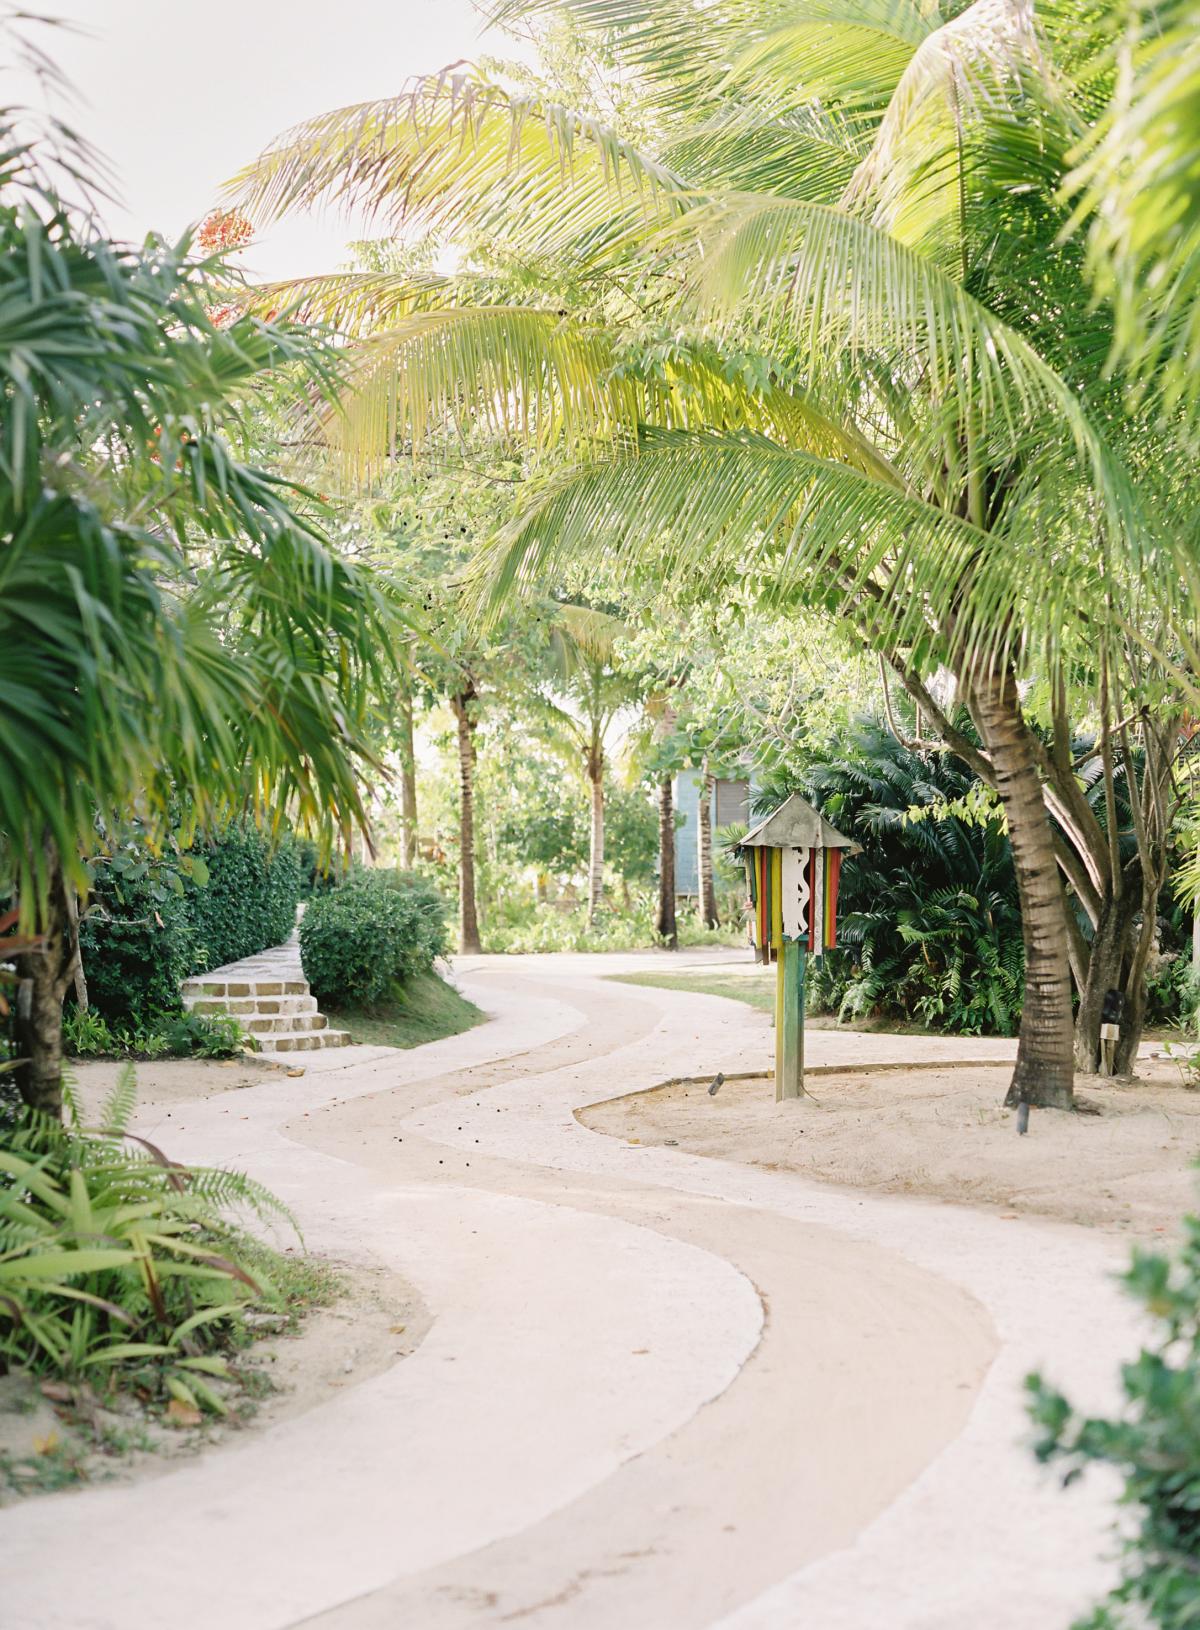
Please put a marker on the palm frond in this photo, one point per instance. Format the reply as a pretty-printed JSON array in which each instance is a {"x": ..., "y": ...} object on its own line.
[
  {"x": 350, "y": 303},
  {"x": 746, "y": 150},
  {"x": 831, "y": 283},
  {"x": 1137, "y": 185},
  {"x": 983, "y": 67},
  {"x": 548, "y": 379},
  {"x": 701, "y": 511},
  {"x": 456, "y": 151}
]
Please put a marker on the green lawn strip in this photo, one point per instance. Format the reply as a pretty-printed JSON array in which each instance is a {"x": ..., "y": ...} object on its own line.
[
  {"x": 424, "y": 1009},
  {"x": 757, "y": 990}
]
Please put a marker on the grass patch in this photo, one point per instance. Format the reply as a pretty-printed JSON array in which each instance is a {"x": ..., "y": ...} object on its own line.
[
  {"x": 425, "y": 1008},
  {"x": 755, "y": 989},
  {"x": 299, "y": 1283},
  {"x": 758, "y": 990}
]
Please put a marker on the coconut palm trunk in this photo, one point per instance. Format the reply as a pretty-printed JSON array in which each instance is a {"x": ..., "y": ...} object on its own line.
[
  {"x": 43, "y": 977},
  {"x": 1044, "y": 1073},
  {"x": 408, "y": 783},
  {"x": 595, "y": 775},
  {"x": 704, "y": 854},
  {"x": 468, "y": 913},
  {"x": 664, "y": 923}
]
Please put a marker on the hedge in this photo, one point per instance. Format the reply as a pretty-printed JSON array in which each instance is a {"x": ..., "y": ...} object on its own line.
[
  {"x": 150, "y": 926},
  {"x": 249, "y": 901},
  {"x": 372, "y": 932}
]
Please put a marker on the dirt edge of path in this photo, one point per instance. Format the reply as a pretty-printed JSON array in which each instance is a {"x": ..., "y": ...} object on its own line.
[
  {"x": 378, "y": 1320},
  {"x": 1127, "y": 1164}
]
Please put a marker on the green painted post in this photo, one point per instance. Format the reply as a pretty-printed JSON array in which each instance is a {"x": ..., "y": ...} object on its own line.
[{"x": 789, "y": 1023}]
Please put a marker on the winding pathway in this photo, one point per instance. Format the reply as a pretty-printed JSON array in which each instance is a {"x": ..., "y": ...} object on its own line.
[{"x": 660, "y": 1392}]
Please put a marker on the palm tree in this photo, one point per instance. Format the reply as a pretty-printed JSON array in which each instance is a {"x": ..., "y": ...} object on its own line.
[
  {"x": 706, "y": 881},
  {"x": 586, "y": 695},
  {"x": 176, "y": 632},
  {"x": 464, "y": 704},
  {"x": 901, "y": 417}
]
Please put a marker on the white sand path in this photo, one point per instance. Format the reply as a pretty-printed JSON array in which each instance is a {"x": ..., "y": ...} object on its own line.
[{"x": 600, "y": 1429}]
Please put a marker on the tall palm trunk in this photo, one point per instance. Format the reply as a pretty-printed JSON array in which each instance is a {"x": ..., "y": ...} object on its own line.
[
  {"x": 408, "y": 782},
  {"x": 595, "y": 774},
  {"x": 704, "y": 854},
  {"x": 468, "y": 915},
  {"x": 664, "y": 923},
  {"x": 43, "y": 976},
  {"x": 1044, "y": 1073}
]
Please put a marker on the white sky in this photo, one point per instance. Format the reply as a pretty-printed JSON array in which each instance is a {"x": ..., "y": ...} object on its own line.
[{"x": 179, "y": 95}]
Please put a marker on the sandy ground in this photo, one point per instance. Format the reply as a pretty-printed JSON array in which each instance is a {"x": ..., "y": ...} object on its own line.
[
  {"x": 163, "y": 1082},
  {"x": 659, "y": 1391},
  {"x": 1130, "y": 1167}
]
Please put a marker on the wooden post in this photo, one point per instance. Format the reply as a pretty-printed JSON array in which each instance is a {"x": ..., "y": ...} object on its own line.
[
  {"x": 789, "y": 1022},
  {"x": 1110, "y": 1035}
]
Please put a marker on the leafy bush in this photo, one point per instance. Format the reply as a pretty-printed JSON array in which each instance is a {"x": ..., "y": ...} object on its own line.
[
  {"x": 249, "y": 901},
  {"x": 1173, "y": 993},
  {"x": 115, "y": 1259},
  {"x": 928, "y": 924},
  {"x": 87, "y": 1034},
  {"x": 136, "y": 939},
  {"x": 153, "y": 922},
  {"x": 523, "y": 929},
  {"x": 1154, "y": 1444},
  {"x": 376, "y": 930}
]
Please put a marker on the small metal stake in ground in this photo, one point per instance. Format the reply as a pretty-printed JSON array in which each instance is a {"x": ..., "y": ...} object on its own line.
[
  {"x": 793, "y": 863},
  {"x": 1111, "y": 1014}
]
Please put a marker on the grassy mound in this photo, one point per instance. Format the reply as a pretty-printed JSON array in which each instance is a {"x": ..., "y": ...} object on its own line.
[{"x": 424, "y": 1008}]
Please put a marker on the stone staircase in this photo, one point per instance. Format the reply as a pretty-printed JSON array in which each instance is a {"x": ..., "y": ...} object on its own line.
[{"x": 269, "y": 997}]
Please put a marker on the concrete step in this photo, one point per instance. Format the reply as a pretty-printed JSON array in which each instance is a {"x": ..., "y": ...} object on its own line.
[
  {"x": 245, "y": 987},
  {"x": 240, "y": 1005},
  {"x": 270, "y": 999},
  {"x": 284, "y": 1023},
  {"x": 303, "y": 1040}
]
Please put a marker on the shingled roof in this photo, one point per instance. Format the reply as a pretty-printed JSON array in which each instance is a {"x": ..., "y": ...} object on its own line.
[{"x": 797, "y": 825}]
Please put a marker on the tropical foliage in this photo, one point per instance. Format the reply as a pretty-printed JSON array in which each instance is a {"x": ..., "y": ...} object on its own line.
[
  {"x": 164, "y": 1034},
  {"x": 116, "y": 1263},
  {"x": 929, "y": 924},
  {"x": 177, "y": 631},
  {"x": 818, "y": 325},
  {"x": 376, "y": 931},
  {"x": 1153, "y": 1444}
]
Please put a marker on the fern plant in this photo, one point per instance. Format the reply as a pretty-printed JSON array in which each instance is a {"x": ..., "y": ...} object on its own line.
[
  {"x": 114, "y": 1257},
  {"x": 929, "y": 929}
]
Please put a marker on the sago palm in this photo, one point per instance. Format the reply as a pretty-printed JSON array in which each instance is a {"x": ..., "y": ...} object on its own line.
[{"x": 823, "y": 338}]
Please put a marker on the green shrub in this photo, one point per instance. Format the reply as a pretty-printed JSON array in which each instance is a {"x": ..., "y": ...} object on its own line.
[
  {"x": 1154, "y": 1444},
  {"x": 249, "y": 901},
  {"x": 374, "y": 931},
  {"x": 1173, "y": 993},
  {"x": 136, "y": 939},
  {"x": 929, "y": 927},
  {"x": 153, "y": 922},
  {"x": 114, "y": 1259}
]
